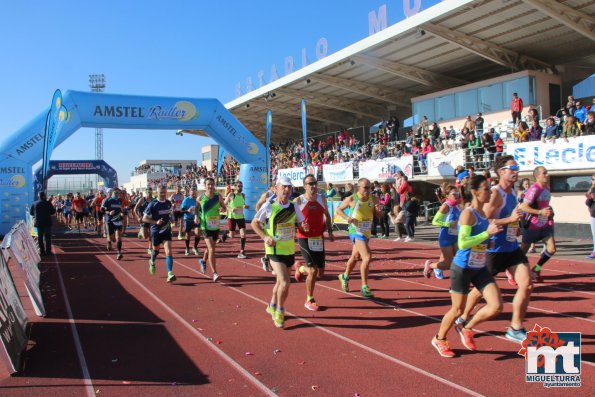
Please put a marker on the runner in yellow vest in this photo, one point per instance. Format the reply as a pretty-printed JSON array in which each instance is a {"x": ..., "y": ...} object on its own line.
[
  {"x": 360, "y": 215},
  {"x": 275, "y": 223},
  {"x": 236, "y": 203}
]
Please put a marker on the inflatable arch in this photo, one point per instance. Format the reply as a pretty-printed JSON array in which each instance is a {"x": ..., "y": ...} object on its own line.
[
  {"x": 77, "y": 167},
  {"x": 24, "y": 148}
]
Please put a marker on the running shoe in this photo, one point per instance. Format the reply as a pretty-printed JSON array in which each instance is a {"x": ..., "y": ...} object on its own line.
[
  {"x": 203, "y": 266},
  {"x": 104, "y": 235},
  {"x": 397, "y": 239},
  {"x": 241, "y": 255},
  {"x": 344, "y": 282},
  {"x": 443, "y": 348},
  {"x": 536, "y": 277},
  {"x": 279, "y": 319},
  {"x": 311, "y": 305},
  {"x": 195, "y": 250},
  {"x": 186, "y": 252},
  {"x": 439, "y": 274},
  {"x": 216, "y": 277},
  {"x": 265, "y": 264},
  {"x": 271, "y": 310},
  {"x": 408, "y": 239},
  {"x": 366, "y": 292},
  {"x": 171, "y": 277},
  {"x": 149, "y": 251},
  {"x": 119, "y": 256},
  {"x": 151, "y": 267},
  {"x": 517, "y": 335},
  {"x": 467, "y": 339},
  {"x": 591, "y": 255},
  {"x": 297, "y": 275},
  {"x": 427, "y": 269},
  {"x": 139, "y": 235},
  {"x": 510, "y": 279}
]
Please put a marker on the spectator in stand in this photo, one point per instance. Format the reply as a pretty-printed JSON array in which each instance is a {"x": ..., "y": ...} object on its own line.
[
  {"x": 570, "y": 105},
  {"x": 479, "y": 124},
  {"x": 452, "y": 134},
  {"x": 551, "y": 130},
  {"x": 424, "y": 126},
  {"x": 434, "y": 133},
  {"x": 439, "y": 145},
  {"x": 516, "y": 107},
  {"x": 475, "y": 148},
  {"x": 571, "y": 128},
  {"x": 393, "y": 127},
  {"x": 469, "y": 124},
  {"x": 590, "y": 123},
  {"x": 488, "y": 143},
  {"x": 426, "y": 148},
  {"x": 580, "y": 114},
  {"x": 532, "y": 116},
  {"x": 522, "y": 133},
  {"x": 347, "y": 192},
  {"x": 535, "y": 131}
]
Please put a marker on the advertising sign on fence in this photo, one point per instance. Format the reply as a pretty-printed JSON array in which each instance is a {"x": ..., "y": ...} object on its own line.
[
  {"x": 440, "y": 164},
  {"x": 337, "y": 172},
  {"x": 386, "y": 168},
  {"x": 296, "y": 175}
]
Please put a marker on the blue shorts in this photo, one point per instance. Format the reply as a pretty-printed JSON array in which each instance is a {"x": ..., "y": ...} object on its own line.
[
  {"x": 360, "y": 237},
  {"x": 447, "y": 242},
  {"x": 158, "y": 238}
]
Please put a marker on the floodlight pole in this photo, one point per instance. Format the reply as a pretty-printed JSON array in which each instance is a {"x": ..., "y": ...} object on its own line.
[{"x": 97, "y": 84}]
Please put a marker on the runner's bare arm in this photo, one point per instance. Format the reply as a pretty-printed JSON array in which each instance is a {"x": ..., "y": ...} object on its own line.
[{"x": 341, "y": 209}]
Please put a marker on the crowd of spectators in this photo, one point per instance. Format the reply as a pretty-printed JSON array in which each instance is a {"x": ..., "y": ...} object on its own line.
[{"x": 482, "y": 143}]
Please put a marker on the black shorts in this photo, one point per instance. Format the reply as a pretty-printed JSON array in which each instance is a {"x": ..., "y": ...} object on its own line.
[
  {"x": 497, "y": 262},
  {"x": 531, "y": 236},
  {"x": 287, "y": 260},
  {"x": 178, "y": 215},
  {"x": 214, "y": 234},
  {"x": 461, "y": 279},
  {"x": 189, "y": 226},
  {"x": 111, "y": 228},
  {"x": 78, "y": 216},
  {"x": 231, "y": 224},
  {"x": 158, "y": 238},
  {"x": 311, "y": 258}
]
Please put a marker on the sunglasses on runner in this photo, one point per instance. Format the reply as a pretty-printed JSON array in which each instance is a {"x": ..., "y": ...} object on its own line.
[
  {"x": 312, "y": 183},
  {"x": 510, "y": 167}
]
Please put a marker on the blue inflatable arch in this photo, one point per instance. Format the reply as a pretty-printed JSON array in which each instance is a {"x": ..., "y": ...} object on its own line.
[
  {"x": 77, "y": 167},
  {"x": 98, "y": 110}
]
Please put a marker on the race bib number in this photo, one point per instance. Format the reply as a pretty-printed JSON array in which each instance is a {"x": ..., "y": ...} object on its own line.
[
  {"x": 364, "y": 226},
  {"x": 238, "y": 211},
  {"x": 117, "y": 223},
  {"x": 285, "y": 231},
  {"x": 542, "y": 220},
  {"x": 213, "y": 222},
  {"x": 315, "y": 244},
  {"x": 477, "y": 257},
  {"x": 512, "y": 232},
  {"x": 453, "y": 230}
]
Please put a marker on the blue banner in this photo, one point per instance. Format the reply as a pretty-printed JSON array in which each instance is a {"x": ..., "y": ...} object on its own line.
[
  {"x": 220, "y": 159},
  {"x": 305, "y": 133},
  {"x": 269, "y": 128},
  {"x": 55, "y": 118}
]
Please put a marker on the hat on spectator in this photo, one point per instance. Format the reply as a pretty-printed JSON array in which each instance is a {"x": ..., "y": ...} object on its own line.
[
  {"x": 283, "y": 181},
  {"x": 462, "y": 175}
]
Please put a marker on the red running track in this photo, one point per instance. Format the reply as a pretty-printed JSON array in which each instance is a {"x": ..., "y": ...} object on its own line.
[{"x": 112, "y": 329}]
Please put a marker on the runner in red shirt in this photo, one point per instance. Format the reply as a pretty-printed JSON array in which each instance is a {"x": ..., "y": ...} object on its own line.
[
  {"x": 97, "y": 201},
  {"x": 311, "y": 242},
  {"x": 79, "y": 204}
]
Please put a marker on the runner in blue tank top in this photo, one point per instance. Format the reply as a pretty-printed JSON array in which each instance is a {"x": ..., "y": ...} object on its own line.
[
  {"x": 447, "y": 217},
  {"x": 469, "y": 267},
  {"x": 505, "y": 254}
]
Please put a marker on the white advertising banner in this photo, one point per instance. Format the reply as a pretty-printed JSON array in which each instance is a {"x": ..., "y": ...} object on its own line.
[
  {"x": 386, "y": 168},
  {"x": 577, "y": 153},
  {"x": 440, "y": 164},
  {"x": 296, "y": 175},
  {"x": 337, "y": 172}
]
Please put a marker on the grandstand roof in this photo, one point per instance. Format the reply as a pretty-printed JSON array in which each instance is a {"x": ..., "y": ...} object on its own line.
[{"x": 450, "y": 44}]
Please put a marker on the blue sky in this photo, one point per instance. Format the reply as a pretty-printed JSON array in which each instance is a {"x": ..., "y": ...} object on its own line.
[{"x": 177, "y": 49}]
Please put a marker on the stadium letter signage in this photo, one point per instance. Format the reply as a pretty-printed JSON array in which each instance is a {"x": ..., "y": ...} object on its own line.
[{"x": 577, "y": 153}]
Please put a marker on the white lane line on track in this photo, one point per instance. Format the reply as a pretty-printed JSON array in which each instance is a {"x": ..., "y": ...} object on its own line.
[
  {"x": 261, "y": 386},
  {"x": 89, "y": 389}
]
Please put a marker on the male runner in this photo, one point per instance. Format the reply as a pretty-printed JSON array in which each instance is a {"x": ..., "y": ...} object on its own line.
[
  {"x": 504, "y": 252},
  {"x": 280, "y": 217},
  {"x": 362, "y": 206},
  {"x": 139, "y": 210},
  {"x": 79, "y": 205},
  {"x": 96, "y": 204},
  {"x": 112, "y": 208},
  {"x": 236, "y": 203},
  {"x": 207, "y": 216},
  {"x": 188, "y": 208},
  {"x": 314, "y": 209},
  {"x": 266, "y": 196},
  {"x": 158, "y": 215},
  {"x": 68, "y": 210},
  {"x": 176, "y": 200},
  {"x": 541, "y": 219},
  {"x": 125, "y": 210}
]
